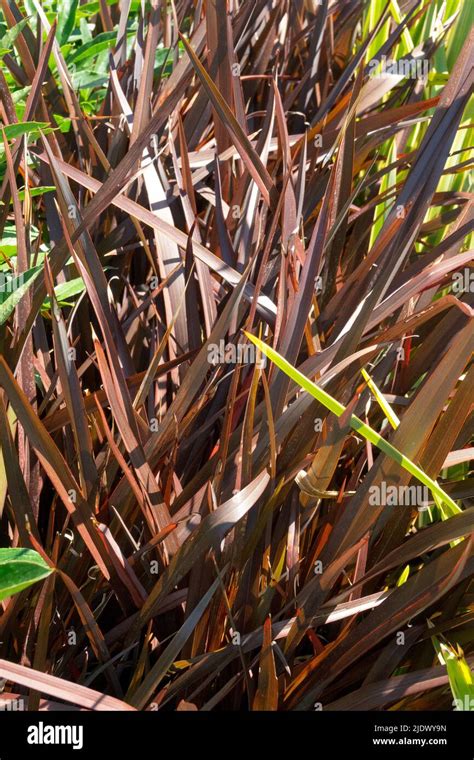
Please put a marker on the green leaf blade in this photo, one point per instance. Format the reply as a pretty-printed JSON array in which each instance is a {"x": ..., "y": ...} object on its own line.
[{"x": 20, "y": 568}]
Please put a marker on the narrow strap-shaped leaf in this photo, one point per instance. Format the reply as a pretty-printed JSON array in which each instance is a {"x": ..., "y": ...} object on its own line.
[{"x": 356, "y": 424}]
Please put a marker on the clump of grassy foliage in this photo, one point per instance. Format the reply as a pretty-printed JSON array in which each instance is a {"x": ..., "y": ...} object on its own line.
[{"x": 236, "y": 313}]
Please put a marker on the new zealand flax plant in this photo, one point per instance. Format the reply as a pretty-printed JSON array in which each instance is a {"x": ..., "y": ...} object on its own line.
[{"x": 236, "y": 334}]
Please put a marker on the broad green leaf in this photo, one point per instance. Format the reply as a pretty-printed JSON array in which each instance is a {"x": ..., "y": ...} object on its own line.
[
  {"x": 89, "y": 9},
  {"x": 85, "y": 79},
  {"x": 20, "y": 568},
  {"x": 102, "y": 41},
  {"x": 19, "y": 98},
  {"x": 12, "y": 131},
  {"x": 67, "y": 15},
  {"x": 86, "y": 33},
  {"x": 6, "y": 42},
  {"x": 460, "y": 675},
  {"x": 8, "y": 244},
  {"x": 64, "y": 124},
  {"x": 64, "y": 291},
  {"x": 35, "y": 191},
  {"x": 12, "y": 290}
]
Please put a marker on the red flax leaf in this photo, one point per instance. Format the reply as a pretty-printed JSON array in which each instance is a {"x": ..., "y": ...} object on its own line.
[
  {"x": 158, "y": 509},
  {"x": 167, "y": 101},
  {"x": 266, "y": 697},
  {"x": 55, "y": 466},
  {"x": 404, "y": 603},
  {"x": 171, "y": 652},
  {"x": 374, "y": 696},
  {"x": 230, "y": 275},
  {"x": 60, "y": 688},
  {"x": 250, "y": 158},
  {"x": 72, "y": 391},
  {"x": 19, "y": 497},
  {"x": 210, "y": 533}
]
